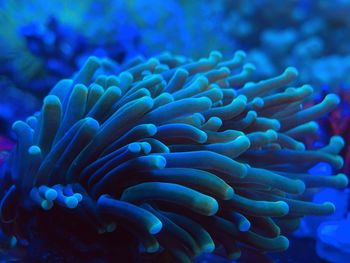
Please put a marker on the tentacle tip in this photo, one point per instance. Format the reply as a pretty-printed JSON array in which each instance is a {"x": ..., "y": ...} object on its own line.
[
  {"x": 213, "y": 208},
  {"x": 225, "y": 70},
  {"x": 126, "y": 76},
  {"x": 282, "y": 207},
  {"x": 16, "y": 125},
  {"x": 339, "y": 162},
  {"x": 156, "y": 227},
  {"x": 337, "y": 139},
  {"x": 51, "y": 194},
  {"x": 203, "y": 137},
  {"x": 242, "y": 98},
  {"x": 94, "y": 59},
  {"x": 134, "y": 147},
  {"x": 146, "y": 147},
  {"x": 91, "y": 122},
  {"x": 250, "y": 67},
  {"x": 182, "y": 71},
  {"x": 258, "y": 102},
  {"x": 291, "y": 73},
  {"x": 34, "y": 150},
  {"x": 147, "y": 101},
  {"x": 153, "y": 62},
  {"x": 71, "y": 202},
  {"x": 229, "y": 193},
  {"x": 216, "y": 54},
  {"x": 307, "y": 88},
  {"x": 244, "y": 226},
  {"x": 240, "y": 54},
  {"x": 79, "y": 197},
  {"x": 244, "y": 141},
  {"x": 284, "y": 242},
  {"x": 46, "y": 205},
  {"x": 208, "y": 248},
  {"x": 160, "y": 162},
  {"x": 343, "y": 181},
  {"x": 300, "y": 186},
  {"x": 207, "y": 102},
  {"x": 244, "y": 170},
  {"x": 272, "y": 135},
  {"x": 329, "y": 207},
  {"x": 300, "y": 146},
  {"x": 333, "y": 99},
  {"x": 51, "y": 100},
  {"x": 151, "y": 129},
  {"x": 276, "y": 125},
  {"x": 253, "y": 114}
]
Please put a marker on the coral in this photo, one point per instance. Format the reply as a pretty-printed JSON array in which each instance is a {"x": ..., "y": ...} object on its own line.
[
  {"x": 45, "y": 43},
  {"x": 333, "y": 242},
  {"x": 164, "y": 159},
  {"x": 301, "y": 37}
]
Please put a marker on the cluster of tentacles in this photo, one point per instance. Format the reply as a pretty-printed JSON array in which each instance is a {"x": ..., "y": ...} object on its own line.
[{"x": 166, "y": 157}]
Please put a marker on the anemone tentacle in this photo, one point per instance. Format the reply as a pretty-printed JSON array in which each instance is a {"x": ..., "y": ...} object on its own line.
[{"x": 180, "y": 156}]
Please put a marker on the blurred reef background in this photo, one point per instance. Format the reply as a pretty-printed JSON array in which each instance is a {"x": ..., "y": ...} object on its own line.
[{"x": 43, "y": 42}]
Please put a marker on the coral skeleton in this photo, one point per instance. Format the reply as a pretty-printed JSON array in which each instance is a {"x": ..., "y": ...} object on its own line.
[{"x": 164, "y": 158}]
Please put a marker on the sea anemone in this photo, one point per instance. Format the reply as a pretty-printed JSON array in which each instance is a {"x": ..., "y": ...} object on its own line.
[{"x": 163, "y": 159}]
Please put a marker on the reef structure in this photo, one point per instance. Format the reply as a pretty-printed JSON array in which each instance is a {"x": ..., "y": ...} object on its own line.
[{"x": 163, "y": 159}]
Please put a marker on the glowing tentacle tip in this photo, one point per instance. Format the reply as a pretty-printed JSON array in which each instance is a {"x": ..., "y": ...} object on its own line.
[
  {"x": 156, "y": 227},
  {"x": 34, "y": 150},
  {"x": 134, "y": 147},
  {"x": 159, "y": 162},
  {"x": 342, "y": 181},
  {"x": 208, "y": 248},
  {"x": 272, "y": 135},
  {"x": 243, "y": 141},
  {"x": 276, "y": 125},
  {"x": 51, "y": 194},
  {"x": 229, "y": 193},
  {"x": 338, "y": 140},
  {"x": 71, "y": 202},
  {"x": 339, "y": 162},
  {"x": 291, "y": 73},
  {"x": 332, "y": 99},
  {"x": 300, "y": 186},
  {"x": 329, "y": 207},
  {"x": 78, "y": 196},
  {"x": 282, "y": 207},
  {"x": 46, "y": 204},
  {"x": 300, "y": 146},
  {"x": 244, "y": 226}
]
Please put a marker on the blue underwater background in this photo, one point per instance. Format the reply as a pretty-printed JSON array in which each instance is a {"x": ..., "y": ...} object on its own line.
[{"x": 174, "y": 131}]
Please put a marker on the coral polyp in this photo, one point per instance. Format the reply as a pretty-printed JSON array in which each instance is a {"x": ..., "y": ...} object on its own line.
[{"x": 164, "y": 159}]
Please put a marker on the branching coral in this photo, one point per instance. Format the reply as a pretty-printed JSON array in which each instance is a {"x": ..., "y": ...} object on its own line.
[{"x": 169, "y": 158}]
